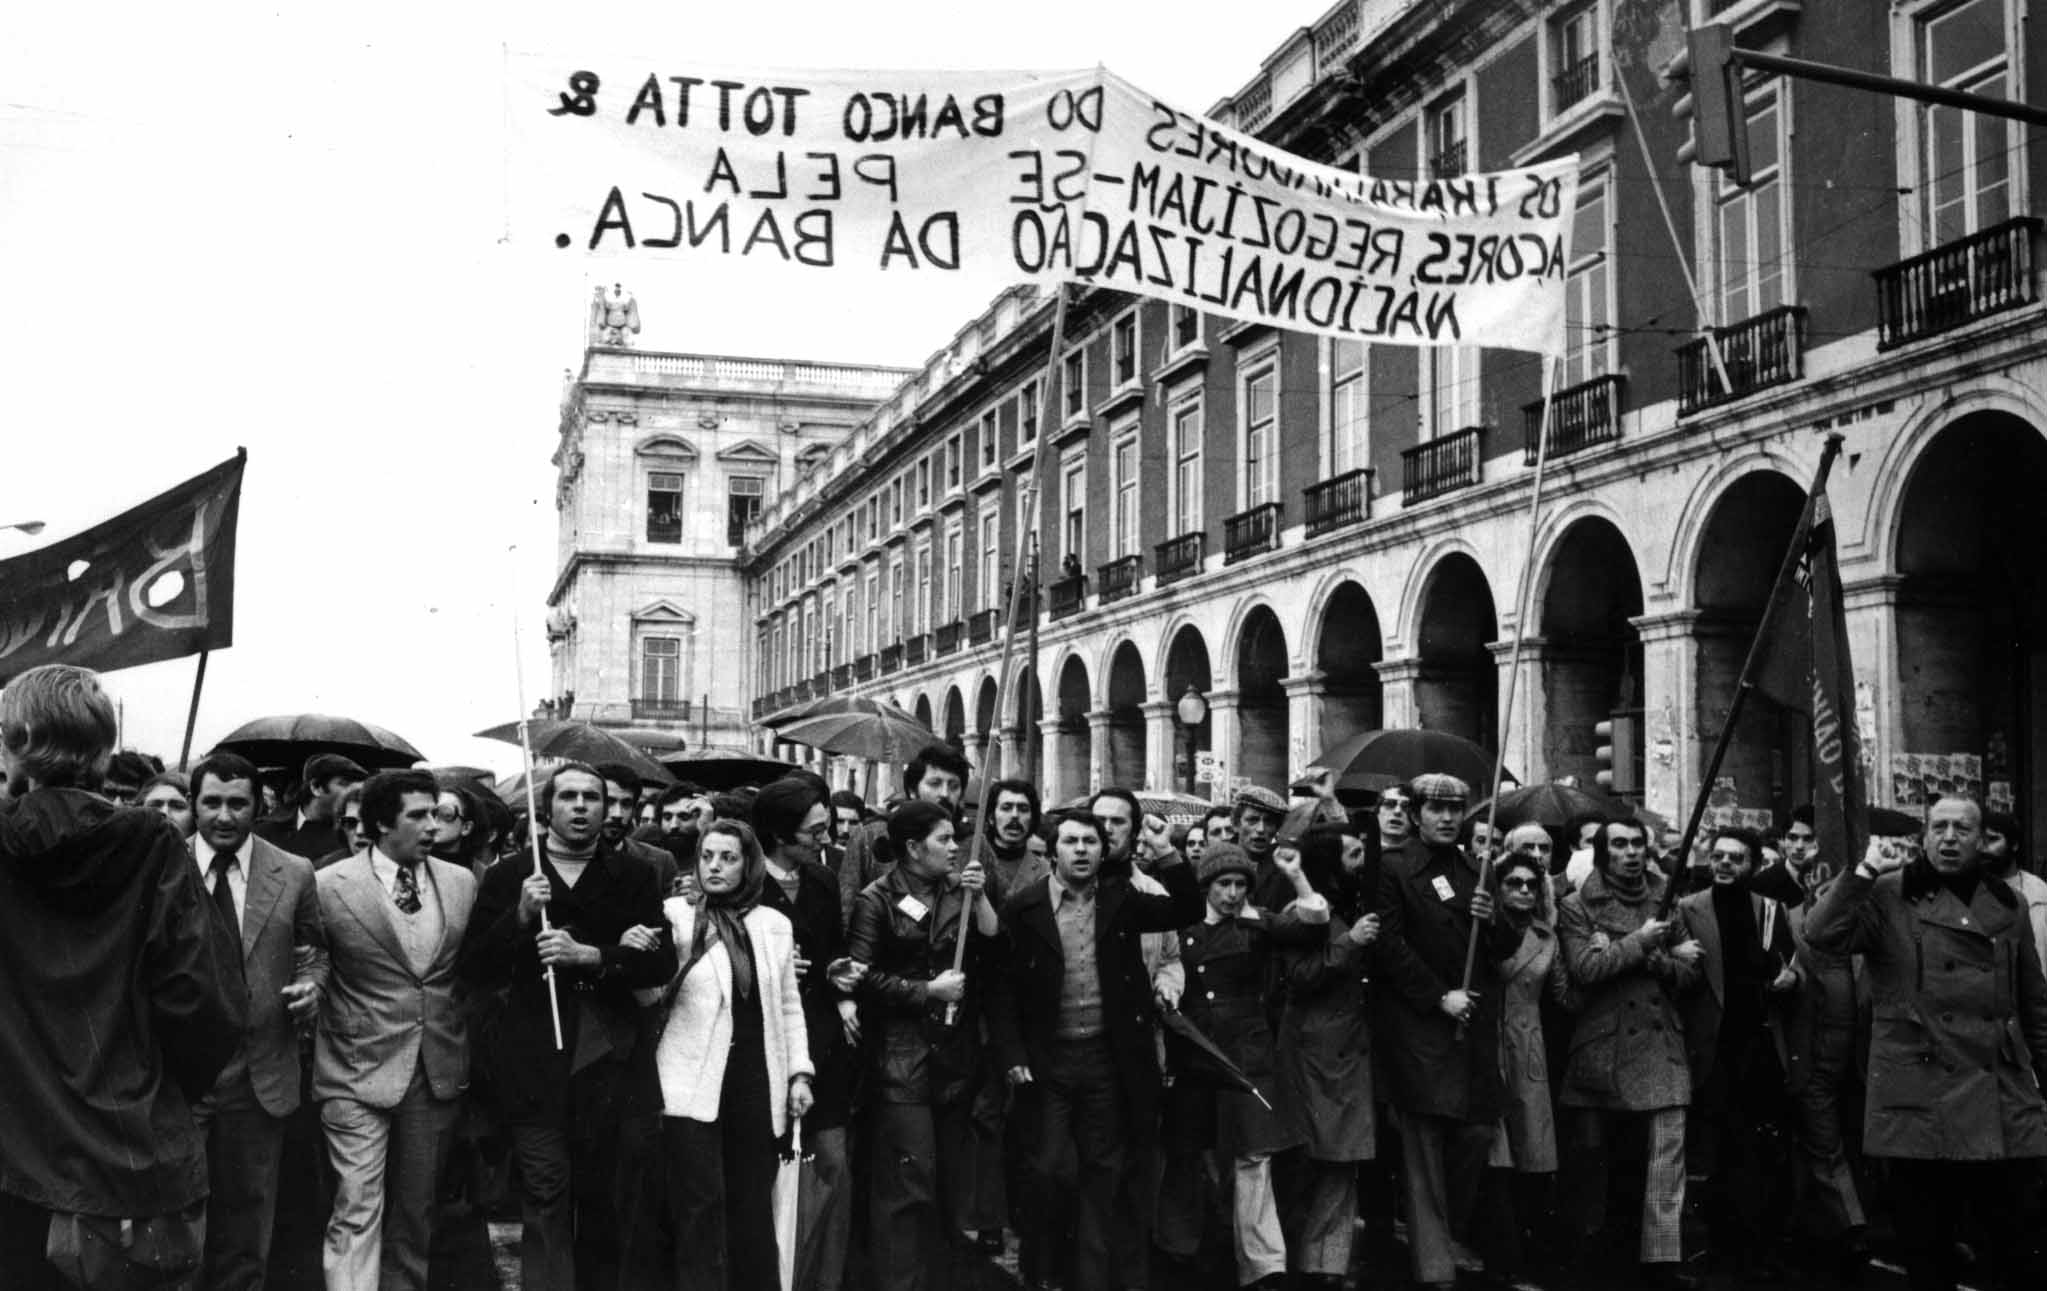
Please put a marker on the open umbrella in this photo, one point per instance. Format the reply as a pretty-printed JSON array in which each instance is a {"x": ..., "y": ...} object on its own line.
[
  {"x": 722, "y": 768},
  {"x": 580, "y": 742},
  {"x": 1374, "y": 760},
  {"x": 1551, "y": 805},
  {"x": 287, "y": 741},
  {"x": 657, "y": 742},
  {"x": 860, "y": 728}
]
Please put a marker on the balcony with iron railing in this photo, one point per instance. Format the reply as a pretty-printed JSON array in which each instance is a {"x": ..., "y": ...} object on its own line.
[
  {"x": 1121, "y": 578},
  {"x": 1335, "y": 503},
  {"x": 1973, "y": 277},
  {"x": 917, "y": 649},
  {"x": 661, "y": 710},
  {"x": 947, "y": 639},
  {"x": 1767, "y": 350},
  {"x": 1588, "y": 413},
  {"x": 863, "y": 668},
  {"x": 1248, "y": 533},
  {"x": 891, "y": 658},
  {"x": 1442, "y": 465},
  {"x": 842, "y": 676},
  {"x": 1449, "y": 163},
  {"x": 981, "y": 626},
  {"x": 1575, "y": 83},
  {"x": 1068, "y": 595},
  {"x": 1178, "y": 558},
  {"x": 821, "y": 685},
  {"x": 805, "y": 690}
]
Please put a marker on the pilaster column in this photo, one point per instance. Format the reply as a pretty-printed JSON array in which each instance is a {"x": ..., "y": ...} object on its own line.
[
  {"x": 1672, "y": 754},
  {"x": 975, "y": 745},
  {"x": 1008, "y": 745},
  {"x": 1871, "y": 608},
  {"x": 1303, "y": 719},
  {"x": 1224, "y": 737},
  {"x": 1164, "y": 749},
  {"x": 1523, "y": 729},
  {"x": 1397, "y": 679},
  {"x": 1099, "y": 755},
  {"x": 1052, "y": 786}
]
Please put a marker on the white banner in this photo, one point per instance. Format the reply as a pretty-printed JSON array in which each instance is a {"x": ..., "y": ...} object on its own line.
[{"x": 1009, "y": 176}]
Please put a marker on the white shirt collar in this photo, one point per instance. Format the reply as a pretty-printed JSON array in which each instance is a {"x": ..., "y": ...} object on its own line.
[
  {"x": 202, "y": 851},
  {"x": 386, "y": 869}
]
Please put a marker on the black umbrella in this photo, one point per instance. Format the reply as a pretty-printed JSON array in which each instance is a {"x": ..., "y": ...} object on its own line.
[
  {"x": 580, "y": 742},
  {"x": 289, "y": 740},
  {"x": 856, "y": 727},
  {"x": 719, "y": 768},
  {"x": 1551, "y": 805},
  {"x": 1376, "y": 759},
  {"x": 1205, "y": 1060}
]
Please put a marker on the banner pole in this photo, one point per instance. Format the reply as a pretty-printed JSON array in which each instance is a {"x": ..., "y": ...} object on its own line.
[
  {"x": 1004, "y": 681},
  {"x": 192, "y": 713},
  {"x": 1743, "y": 686},
  {"x": 534, "y": 828}
]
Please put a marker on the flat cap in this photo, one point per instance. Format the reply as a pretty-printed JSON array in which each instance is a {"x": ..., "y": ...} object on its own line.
[
  {"x": 1263, "y": 799},
  {"x": 1437, "y": 787}
]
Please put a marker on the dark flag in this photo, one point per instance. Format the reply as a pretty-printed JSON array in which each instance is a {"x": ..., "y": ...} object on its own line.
[
  {"x": 156, "y": 582},
  {"x": 1804, "y": 664}
]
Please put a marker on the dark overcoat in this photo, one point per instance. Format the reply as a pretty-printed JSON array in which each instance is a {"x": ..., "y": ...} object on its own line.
[
  {"x": 1628, "y": 1048},
  {"x": 820, "y": 938},
  {"x": 1325, "y": 1045},
  {"x": 1229, "y": 965}
]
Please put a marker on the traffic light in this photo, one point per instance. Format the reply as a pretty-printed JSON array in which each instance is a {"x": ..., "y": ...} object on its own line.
[
  {"x": 1619, "y": 737},
  {"x": 1719, "y": 116}
]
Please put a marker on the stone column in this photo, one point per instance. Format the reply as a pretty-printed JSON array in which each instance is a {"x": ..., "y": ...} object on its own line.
[
  {"x": 1523, "y": 730},
  {"x": 1223, "y": 739},
  {"x": 1052, "y": 786},
  {"x": 1871, "y": 609},
  {"x": 1008, "y": 742},
  {"x": 1099, "y": 755},
  {"x": 975, "y": 745},
  {"x": 1397, "y": 678},
  {"x": 1672, "y": 752},
  {"x": 1304, "y": 719},
  {"x": 1164, "y": 746}
]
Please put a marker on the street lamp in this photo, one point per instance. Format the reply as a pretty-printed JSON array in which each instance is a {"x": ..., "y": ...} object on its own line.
[
  {"x": 1192, "y": 710},
  {"x": 26, "y": 526}
]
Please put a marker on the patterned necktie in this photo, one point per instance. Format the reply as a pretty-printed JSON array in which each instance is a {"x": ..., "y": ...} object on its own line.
[
  {"x": 223, "y": 896},
  {"x": 407, "y": 895}
]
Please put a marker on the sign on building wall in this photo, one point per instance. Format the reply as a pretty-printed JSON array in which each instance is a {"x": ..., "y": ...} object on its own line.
[{"x": 1024, "y": 176}]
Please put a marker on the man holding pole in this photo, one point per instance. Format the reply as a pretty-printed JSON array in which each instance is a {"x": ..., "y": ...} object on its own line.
[{"x": 563, "y": 1100}]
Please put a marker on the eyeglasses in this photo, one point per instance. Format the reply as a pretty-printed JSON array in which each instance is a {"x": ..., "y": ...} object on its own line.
[
  {"x": 448, "y": 815},
  {"x": 1518, "y": 884},
  {"x": 351, "y": 823},
  {"x": 815, "y": 832}
]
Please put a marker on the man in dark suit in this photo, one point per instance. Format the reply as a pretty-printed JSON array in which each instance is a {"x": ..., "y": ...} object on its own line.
[
  {"x": 1073, "y": 1016},
  {"x": 306, "y": 828},
  {"x": 563, "y": 1104},
  {"x": 393, "y": 1053},
  {"x": 268, "y": 897}
]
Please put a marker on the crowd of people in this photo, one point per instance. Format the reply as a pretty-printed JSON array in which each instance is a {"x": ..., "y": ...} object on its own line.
[{"x": 1284, "y": 1045}]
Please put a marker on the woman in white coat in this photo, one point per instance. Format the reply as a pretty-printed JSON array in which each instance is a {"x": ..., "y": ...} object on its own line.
[{"x": 734, "y": 1066}]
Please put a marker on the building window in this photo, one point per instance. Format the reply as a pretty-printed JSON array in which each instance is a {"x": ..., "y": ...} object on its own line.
[
  {"x": 1073, "y": 384},
  {"x": 1448, "y": 132},
  {"x": 1123, "y": 479},
  {"x": 1073, "y": 507},
  {"x": 1123, "y": 350},
  {"x": 898, "y": 609},
  {"x": 1186, "y": 327},
  {"x": 1587, "y": 307},
  {"x": 923, "y": 476},
  {"x": 895, "y": 503},
  {"x": 955, "y": 572},
  {"x": 1751, "y": 236},
  {"x": 990, "y": 590},
  {"x": 1027, "y": 412},
  {"x": 664, "y": 506},
  {"x": 955, "y": 463},
  {"x": 1261, "y": 437},
  {"x": 1347, "y": 449},
  {"x": 1573, "y": 56},
  {"x": 743, "y": 495},
  {"x": 921, "y": 611},
  {"x": 661, "y": 671},
  {"x": 781, "y": 670},
  {"x": 990, "y": 440},
  {"x": 870, "y": 637},
  {"x": 1449, "y": 389},
  {"x": 1184, "y": 504},
  {"x": 1966, "y": 158}
]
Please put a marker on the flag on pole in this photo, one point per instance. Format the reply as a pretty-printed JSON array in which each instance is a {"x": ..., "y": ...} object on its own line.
[
  {"x": 1805, "y": 665},
  {"x": 155, "y": 582}
]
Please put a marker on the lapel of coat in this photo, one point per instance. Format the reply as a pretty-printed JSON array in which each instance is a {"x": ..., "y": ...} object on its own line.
[
  {"x": 1703, "y": 922},
  {"x": 364, "y": 896},
  {"x": 266, "y": 884},
  {"x": 1035, "y": 913},
  {"x": 1532, "y": 943},
  {"x": 455, "y": 897}
]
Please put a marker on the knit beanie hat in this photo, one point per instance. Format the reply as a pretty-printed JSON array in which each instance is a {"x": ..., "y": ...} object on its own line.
[{"x": 1218, "y": 859}]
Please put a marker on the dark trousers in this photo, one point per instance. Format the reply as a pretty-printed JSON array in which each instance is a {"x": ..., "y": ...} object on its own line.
[
  {"x": 23, "y": 1230},
  {"x": 1933, "y": 1200},
  {"x": 1743, "y": 1121},
  {"x": 1081, "y": 1105},
  {"x": 243, "y": 1146},
  {"x": 568, "y": 1186},
  {"x": 720, "y": 1182},
  {"x": 906, "y": 1215},
  {"x": 1835, "y": 1205}
]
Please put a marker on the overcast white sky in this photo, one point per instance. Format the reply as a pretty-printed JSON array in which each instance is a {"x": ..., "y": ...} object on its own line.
[{"x": 225, "y": 225}]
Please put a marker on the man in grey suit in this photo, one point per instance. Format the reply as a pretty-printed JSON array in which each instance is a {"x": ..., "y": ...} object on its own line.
[
  {"x": 392, "y": 1058},
  {"x": 267, "y": 897}
]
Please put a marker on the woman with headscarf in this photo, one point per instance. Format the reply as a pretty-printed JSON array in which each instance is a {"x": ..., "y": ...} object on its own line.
[{"x": 733, "y": 1065}]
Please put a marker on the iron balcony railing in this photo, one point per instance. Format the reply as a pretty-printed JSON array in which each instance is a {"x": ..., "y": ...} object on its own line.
[
  {"x": 1120, "y": 578},
  {"x": 842, "y": 676},
  {"x": 947, "y": 638},
  {"x": 891, "y": 658},
  {"x": 1767, "y": 350},
  {"x": 1575, "y": 82},
  {"x": 1069, "y": 594},
  {"x": 1974, "y": 277},
  {"x": 1178, "y": 558},
  {"x": 1247, "y": 533},
  {"x": 821, "y": 685},
  {"x": 1442, "y": 465},
  {"x": 981, "y": 626},
  {"x": 1586, "y": 414},
  {"x": 918, "y": 648},
  {"x": 863, "y": 668},
  {"x": 1344, "y": 500},
  {"x": 661, "y": 710},
  {"x": 1449, "y": 163}
]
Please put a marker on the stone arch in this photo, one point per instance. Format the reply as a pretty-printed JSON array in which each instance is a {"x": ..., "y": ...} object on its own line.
[
  {"x": 1124, "y": 699},
  {"x": 1348, "y": 644},
  {"x": 954, "y": 718},
  {"x": 1241, "y": 613},
  {"x": 1586, "y": 654},
  {"x": 1407, "y": 627},
  {"x": 1902, "y": 451},
  {"x": 1067, "y": 751},
  {"x": 1457, "y": 684},
  {"x": 1259, "y": 667},
  {"x": 1186, "y": 664},
  {"x": 1677, "y": 577}
]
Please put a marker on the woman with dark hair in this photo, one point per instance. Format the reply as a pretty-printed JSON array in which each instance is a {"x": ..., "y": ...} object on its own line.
[
  {"x": 1532, "y": 977},
  {"x": 1325, "y": 1050},
  {"x": 733, "y": 1065}
]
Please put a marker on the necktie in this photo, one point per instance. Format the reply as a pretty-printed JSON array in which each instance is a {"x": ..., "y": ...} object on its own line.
[
  {"x": 407, "y": 895},
  {"x": 223, "y": 897}
]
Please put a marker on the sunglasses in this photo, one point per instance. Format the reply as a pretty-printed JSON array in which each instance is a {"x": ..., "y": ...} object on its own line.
[
  {"x": 448, "y": 815},
  {"x": 351, "y": 822},
  {"x": 1518, "y": 885}
]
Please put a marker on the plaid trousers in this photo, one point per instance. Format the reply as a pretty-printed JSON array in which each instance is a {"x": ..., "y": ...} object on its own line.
[{"x": 1663, "y": 1187}]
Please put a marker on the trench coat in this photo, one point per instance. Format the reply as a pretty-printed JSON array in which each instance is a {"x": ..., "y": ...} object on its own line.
[
  {"x": 1959, "y": 1014},
  {"x": 1437, "y": 1067},
  {"x": 1627, "y": 1048},
  {"x": 1325, "y": 1046},
  {"x": 1229, "y": 965},
  {"x": 1534, "y": 973}
]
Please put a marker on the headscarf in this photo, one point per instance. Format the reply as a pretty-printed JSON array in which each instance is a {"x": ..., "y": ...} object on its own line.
[{"x": 721, "y": 915}]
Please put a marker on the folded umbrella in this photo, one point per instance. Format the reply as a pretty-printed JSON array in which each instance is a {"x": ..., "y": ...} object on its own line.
[
  {"x": 1205, "y": 1060},
  {"x": 580, "y": 742},
  {"x": 788, "y": 1200}
]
